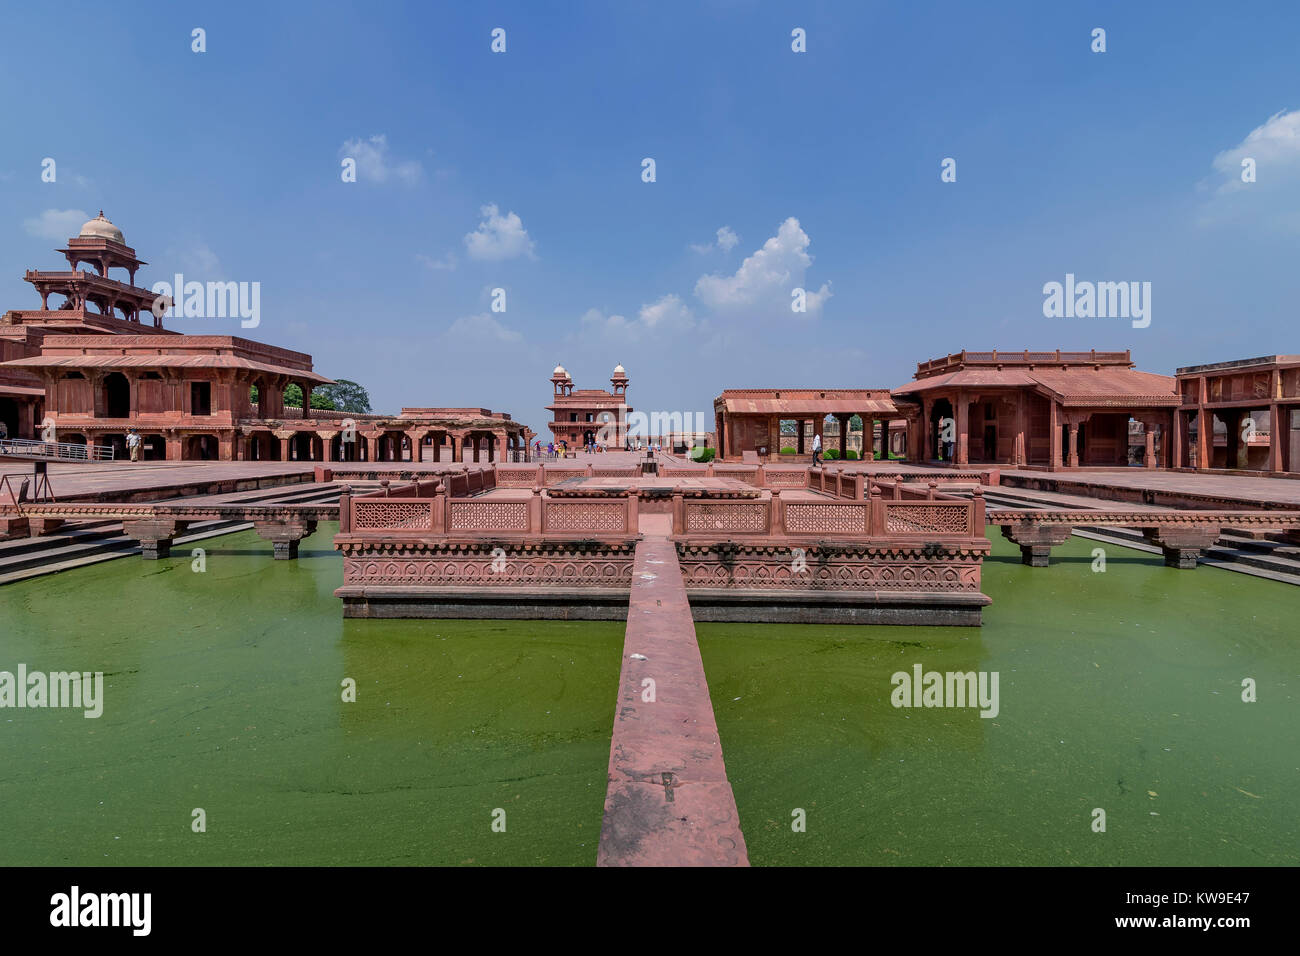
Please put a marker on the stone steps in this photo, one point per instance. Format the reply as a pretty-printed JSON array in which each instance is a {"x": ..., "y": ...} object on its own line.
[
  {"x": 1266, "y": 556},
  {"x": 82, "y": 543}
]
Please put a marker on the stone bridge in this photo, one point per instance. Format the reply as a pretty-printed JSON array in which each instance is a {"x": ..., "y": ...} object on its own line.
[
  {"x": 156, "y": 525},
  {"x": 1180, "y": 535}
]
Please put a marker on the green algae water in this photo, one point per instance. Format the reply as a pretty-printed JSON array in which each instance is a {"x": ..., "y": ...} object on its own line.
[
  {"x": 223, "y": 692},
  {"x": 1119, "y": 690}
]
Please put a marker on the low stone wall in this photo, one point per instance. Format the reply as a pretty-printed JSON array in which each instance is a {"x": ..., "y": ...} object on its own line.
[{"x": 580, "y": 580}]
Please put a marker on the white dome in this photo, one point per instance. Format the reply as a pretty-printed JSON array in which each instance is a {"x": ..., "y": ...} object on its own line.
[
  {"x": 619, "y": 370},
  {"x": 101, "y": 228},
  {"x": 559, "y": 370}
]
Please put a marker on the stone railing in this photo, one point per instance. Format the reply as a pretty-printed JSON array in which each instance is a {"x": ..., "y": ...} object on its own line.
[
  {"x": 530, "y": 476},
  {"x": 913, "y": 514},
  {"x": 520, "y": 513}
]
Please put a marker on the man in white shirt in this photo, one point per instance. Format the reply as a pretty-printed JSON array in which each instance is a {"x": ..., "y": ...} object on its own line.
[
  {"x": 133, "y": 444},
  {"x": 817, "y": 449}
]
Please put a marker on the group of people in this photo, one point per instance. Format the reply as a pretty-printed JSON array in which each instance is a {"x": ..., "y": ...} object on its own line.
[{"x": 553, "y": 450}]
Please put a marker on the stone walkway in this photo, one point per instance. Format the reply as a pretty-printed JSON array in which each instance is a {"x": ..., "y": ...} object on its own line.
[{"x": 669, "y": 802}]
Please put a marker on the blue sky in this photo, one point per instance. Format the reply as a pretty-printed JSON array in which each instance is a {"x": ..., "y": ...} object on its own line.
[{"x": 523, "y": 171}]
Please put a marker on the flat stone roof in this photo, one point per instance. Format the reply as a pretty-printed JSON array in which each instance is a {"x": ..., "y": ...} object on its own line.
[{"x": 1263, "y": 360}]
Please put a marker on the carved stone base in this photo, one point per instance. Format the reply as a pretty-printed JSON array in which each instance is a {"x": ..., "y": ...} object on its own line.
[
  {"x": 1182, "y": 546},
  {"x": 285, "y": 535},
  {"x": 154, "y": 534},
  {"x": 1036, "y": 541}
]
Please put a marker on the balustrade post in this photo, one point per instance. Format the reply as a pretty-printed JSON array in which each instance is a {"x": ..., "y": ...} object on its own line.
[
  {"x": 776, "y": 514},
  {"x": 633, "y": 512},
  {"x": 934, "y": 488},
  {"x": 345, "y": 511},
  {"x": 875, "y": 512},
  {"x": 679, "y": 514},
  {"x": 438, "y": 510},
  {"x": 977, "y": 513},
  {"x": 858, "y": 486},
  {"x": 536, "y": 513}
]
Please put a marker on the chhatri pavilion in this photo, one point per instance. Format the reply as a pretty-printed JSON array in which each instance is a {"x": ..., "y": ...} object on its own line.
[{"x": 93, "y": 374}]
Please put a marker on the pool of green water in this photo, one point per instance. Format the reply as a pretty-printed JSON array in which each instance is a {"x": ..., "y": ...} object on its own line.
[
  {"x": 224, "y": 692},
  {"x": 1118, "y": 690}
]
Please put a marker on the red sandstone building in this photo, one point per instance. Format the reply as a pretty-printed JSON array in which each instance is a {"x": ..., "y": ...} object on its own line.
[
  {"x": 1242, "y": 415},
  {"x": 1051, "y": 410},
  {"x": 750, "y": 419},
  {"x": 582, "y": 416},
  {"x": 90, "y": 376}
]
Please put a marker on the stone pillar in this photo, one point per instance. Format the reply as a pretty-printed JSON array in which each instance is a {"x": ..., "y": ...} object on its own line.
[
  {"x": 175, "y": 450},
  {"x": 843, "y": 421},
  {"x": 285, "y": 535},
  {"x": 963, "y": 429},
  {"x": 1275, "y": 435},
  {"x": 1054, "y": 436},
  {"x": 1204, "y": 426},
  {"x": 799, "y": 446},
  {"x": 226, "y": 446},
  {"x": 1149, "y": 452},
  {"x": 1074, "y": 444}
]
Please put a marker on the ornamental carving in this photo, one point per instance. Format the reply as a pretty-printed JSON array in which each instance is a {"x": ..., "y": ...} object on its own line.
[
  {"x": 926, "y": 518},
  {"x": 586, "y": 516},
  {"x": 395, "y": 515},
  {"x": 701, "y": 518},
  {"x": 488, "y": 516},
  {"x": 825, "y": 519}
]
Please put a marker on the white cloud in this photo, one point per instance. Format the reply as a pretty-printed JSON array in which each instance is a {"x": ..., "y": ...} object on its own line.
[
  {"x": 446, "y": 263},
  {"x": 375, "y": 165},
  {"x": 482, "y": 327},
  {"x": 58, "y": 224},
  {"x": 1275, "y": 148},
  {"x": 727, "y": 240},
  {"x": 668, "y": 314},
  {"x": 498, "y": 237},
  {"x": 764, "y": 281}
]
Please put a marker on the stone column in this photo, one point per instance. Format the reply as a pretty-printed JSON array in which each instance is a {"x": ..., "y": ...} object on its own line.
[
  {"x": 1275, "y": 433},
  {"x": 963, "y": 429},
  {"x": 1073, "y": 460},
  {"x": 1054, "y": 436},
  {"x": 843, "y": 421},
  {"x": 1204, "y": 427},
  {"x": 1149, "y": 436}
]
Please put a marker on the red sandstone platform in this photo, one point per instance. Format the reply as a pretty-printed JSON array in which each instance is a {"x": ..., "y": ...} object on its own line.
[{"x": 669, "y": 802}]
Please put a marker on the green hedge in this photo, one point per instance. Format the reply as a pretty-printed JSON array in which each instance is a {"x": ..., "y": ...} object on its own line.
[
  {"x": 787, "y": 451},
  {"x": 851, "y": 455},
  {"x": 701, "y": 454},
  {"x": 830, "y": 454}
]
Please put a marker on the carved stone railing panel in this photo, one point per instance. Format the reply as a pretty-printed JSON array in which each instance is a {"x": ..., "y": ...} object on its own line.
[
  {"x": 389, "y": 514},
  {"x": 817, "y": 518},
  {"x": 488, "y": 515},
  {"x": 586, "y": 516},
  {"x": 725, "y": 518},
  {"x": 916, "y": 517}
]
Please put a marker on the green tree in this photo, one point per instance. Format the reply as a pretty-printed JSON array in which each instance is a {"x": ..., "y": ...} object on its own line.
[{"x": 345, "y": 396}]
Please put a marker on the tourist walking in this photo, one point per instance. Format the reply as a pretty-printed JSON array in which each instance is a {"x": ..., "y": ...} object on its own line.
[
  {"x": 133, "y": 444},
  {"x": 817, "y": 449}
]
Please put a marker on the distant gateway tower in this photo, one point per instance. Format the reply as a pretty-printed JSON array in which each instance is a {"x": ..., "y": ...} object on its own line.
[{"x": 589, "y": 414}]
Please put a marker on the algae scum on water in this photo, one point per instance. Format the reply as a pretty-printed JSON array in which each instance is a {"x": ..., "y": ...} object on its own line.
[{"x": 223, "y": 692}]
